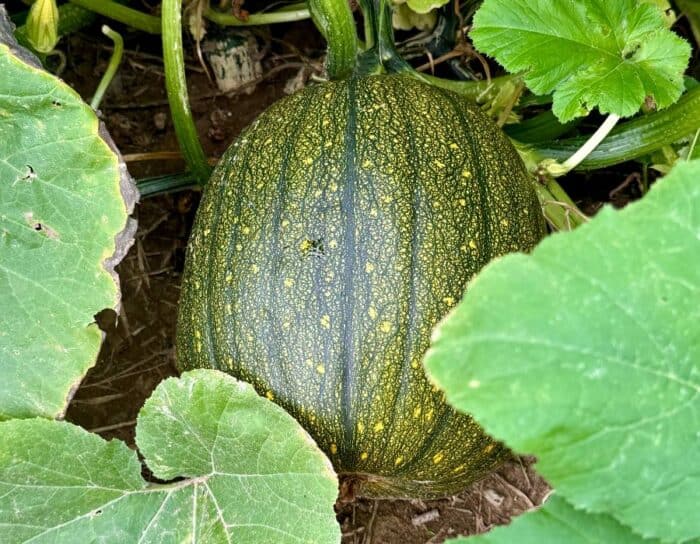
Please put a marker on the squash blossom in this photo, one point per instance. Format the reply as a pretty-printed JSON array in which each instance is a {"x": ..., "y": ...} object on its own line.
[{"x": 42, "y": 25}]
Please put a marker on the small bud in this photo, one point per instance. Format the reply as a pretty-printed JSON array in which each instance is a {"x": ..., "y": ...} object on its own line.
[{"x": 42, "y": 25}]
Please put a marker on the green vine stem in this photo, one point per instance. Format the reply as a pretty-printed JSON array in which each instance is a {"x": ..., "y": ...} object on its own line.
[
  {"x": 694, "y": 150},
  {"x": 633, "y": 139},
  {"x": 560, "y": 211},
  {"x": 475, "y": 91},
  {"x": 370, "y": 36},
  {"x": 334, "y": 20},
  {"x": 129, "y": 16},
  {"x": 378, "y": 12},
  {"x": 166, "y": 184},
  {"x": 151, "y": 24},
  {"x": 176, "y": 86},
  {"x": 281, "y": 16},
  {"x": 114, "y": 62},
  {"x": 540, "y": 128}
]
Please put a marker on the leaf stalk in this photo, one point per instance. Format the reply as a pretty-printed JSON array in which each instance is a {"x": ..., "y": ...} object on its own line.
[
  {"x": 594, "y": 141},
  {"x": 114, "y": 62},
  {"x": 281, "y": 16},
  {"x": 124, "y": 14},
  {"x": 176, "y": 87}
]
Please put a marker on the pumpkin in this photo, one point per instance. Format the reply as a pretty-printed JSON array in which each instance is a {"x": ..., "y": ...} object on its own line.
[{"x": 337, "y": 230}]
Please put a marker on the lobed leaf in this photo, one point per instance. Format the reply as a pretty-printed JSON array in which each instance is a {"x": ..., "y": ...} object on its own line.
[
  {"x": 609, "y": 54},
  {"x": 252, "y": 474},
  {"x": 595, "y": 367}
]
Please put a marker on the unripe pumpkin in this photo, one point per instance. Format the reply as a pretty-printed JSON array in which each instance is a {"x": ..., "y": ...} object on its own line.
[{"x": 337, "y": 230}]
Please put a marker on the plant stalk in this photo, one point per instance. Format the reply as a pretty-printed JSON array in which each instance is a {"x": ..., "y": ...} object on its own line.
[
  {"x": 166, "y": 184},
  {"x": 694, "y": 149},
  {"x": 379, "y": 13},
  {"x": 594, "y": 141},
  {"x": 176, "y": 86},
  {"x": 635, "y": 138},
  {"x": 129, "y": 16},
  {"x": 281, "y": 16},
  {"x": 334, "y": 20},
  {"x": 114, "y": 62},
  {"x": 559, "y": 210}
]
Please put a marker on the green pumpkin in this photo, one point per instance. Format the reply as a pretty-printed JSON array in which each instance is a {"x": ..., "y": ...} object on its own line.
[{"x": 338, "y": 229}]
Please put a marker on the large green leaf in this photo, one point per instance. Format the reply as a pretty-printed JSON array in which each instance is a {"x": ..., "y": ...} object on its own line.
[
  {"x": 252, "y": 474},
  {"x": 558, "y": 522},
  {"x": 609, "y": 54},
  {"x": 62, "y": 230},
  {"x": 587, "y": 354}
]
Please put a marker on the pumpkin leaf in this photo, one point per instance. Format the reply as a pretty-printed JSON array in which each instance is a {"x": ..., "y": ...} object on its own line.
[
  {"x": 593, "y": 367},
  {"x": 558, "y": 521},
  {"x": 251, "y": 474},
  {"x": 609, "y": 54},
  {"x": 64, "y": 202}
]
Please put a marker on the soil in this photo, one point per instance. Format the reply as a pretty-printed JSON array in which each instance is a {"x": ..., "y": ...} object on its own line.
[{"x": 138, "y": 350}]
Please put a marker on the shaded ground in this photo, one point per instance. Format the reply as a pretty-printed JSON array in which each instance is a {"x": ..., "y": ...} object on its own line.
[{"x": 139, "y": 348}]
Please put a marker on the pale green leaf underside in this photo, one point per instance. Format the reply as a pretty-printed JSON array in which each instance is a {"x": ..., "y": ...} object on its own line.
[
  {"x": 558, "y": 522},
  {"x": 589, "y": 53},
  {"x": 587, "y": 354},
  {"x": 60, "y": 209},
  {"x": 252, "y": 474},
  {"x": 424, "y": 6}
]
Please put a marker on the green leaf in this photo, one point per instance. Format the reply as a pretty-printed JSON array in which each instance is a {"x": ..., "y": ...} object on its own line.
[
  {"x": 587, "y": 354},
  {"x": 61, "y": 215},
  {"x": 558, "y": 521},
  {"x": 252, "y": 474},
  {"x": 609, "y": 54}
]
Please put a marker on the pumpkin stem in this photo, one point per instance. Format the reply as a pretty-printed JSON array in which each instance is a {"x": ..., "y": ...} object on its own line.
[{"x": 334, "y": 20}]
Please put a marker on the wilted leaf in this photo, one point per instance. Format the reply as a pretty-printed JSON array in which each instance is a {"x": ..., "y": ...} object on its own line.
[{"x": 61, "y": 211}]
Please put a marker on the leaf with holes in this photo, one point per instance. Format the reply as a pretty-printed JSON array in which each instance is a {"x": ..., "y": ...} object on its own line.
[
  {"x": 64, "y": 202},
  {"x": 609, "y": 54},
  {"x": 244, "y": 471},
  {"x": 594, "y": 368}
]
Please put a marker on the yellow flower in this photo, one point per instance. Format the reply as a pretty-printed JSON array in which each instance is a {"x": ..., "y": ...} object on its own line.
[{"x": 42, "y": 25}]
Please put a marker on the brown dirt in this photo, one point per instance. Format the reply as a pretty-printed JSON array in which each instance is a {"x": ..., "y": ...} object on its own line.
[{"x": 138, "y": 349}]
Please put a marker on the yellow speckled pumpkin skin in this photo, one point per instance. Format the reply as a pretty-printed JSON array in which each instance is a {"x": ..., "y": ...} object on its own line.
[{"x": 339, "y": 228}]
